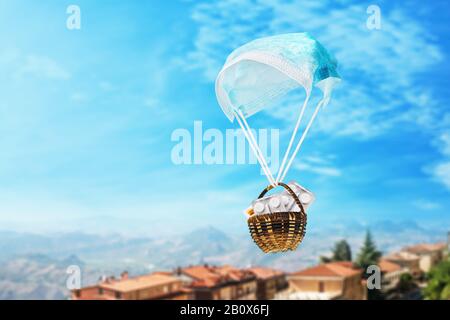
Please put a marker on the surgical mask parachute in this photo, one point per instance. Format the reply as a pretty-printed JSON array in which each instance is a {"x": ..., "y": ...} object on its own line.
[{"x": 253, "y": 77}]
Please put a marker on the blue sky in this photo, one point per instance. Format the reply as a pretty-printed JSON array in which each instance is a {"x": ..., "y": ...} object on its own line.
[{"x": 86, "y": 116}]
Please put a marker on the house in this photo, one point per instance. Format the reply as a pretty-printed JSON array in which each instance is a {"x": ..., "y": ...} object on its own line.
[
  {"x": 328, "y": 281},
  {"x": 219, "y": 283},
  {"x": 269, "y": 282},
  {"x": 429, "y": 254},
  {"x": 146, "y": 287},
  {"x": 407, "y": 260},
  {"x": 390, "y": 273}
]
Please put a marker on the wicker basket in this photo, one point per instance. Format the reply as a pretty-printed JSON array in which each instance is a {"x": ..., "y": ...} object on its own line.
[{"x": 281, "y": 231}]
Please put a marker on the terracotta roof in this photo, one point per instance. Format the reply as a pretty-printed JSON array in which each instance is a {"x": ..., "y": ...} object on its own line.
[
  {"x": 425, "y": 247},
  {"x": 202, "y": 275},
  {"x": 332, "y": 269},
  {"x": 199, "y": 272},
  {"x": 265, "y": 273},
  {"x": 347, "y": 264},
  {"x": 402, "y": 256},
  {"x": 236, "y": 274},
  {"x": 165, "y": 273},
  {"x": 229, "y": 272},
  {"x": 138, "y": 283},
  {"x": 388, "y": 266},
  {"x": 210, "y": 276}
]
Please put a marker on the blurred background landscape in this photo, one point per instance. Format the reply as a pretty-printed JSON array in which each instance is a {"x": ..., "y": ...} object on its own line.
[{"x": 34, "y": 266}]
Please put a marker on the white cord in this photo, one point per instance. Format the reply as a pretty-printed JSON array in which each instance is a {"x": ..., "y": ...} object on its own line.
[
  {"x": 294, "y": 133},
  {"x": 253, "y": 144},
  {"x": 302, "y": 139},
  {"x": 258, "y": 153}
]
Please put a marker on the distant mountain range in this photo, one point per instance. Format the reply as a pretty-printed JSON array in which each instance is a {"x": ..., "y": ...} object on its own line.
[
  {"x": 34, "y": 277},
  {"x": 34, "y": 266}
]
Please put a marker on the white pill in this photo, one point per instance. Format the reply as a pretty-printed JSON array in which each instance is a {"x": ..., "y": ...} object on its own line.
[
  {"x": 258, "y": 207},
  {"x": 274, "y": 202},
  {"x": 305, "y": 198}
]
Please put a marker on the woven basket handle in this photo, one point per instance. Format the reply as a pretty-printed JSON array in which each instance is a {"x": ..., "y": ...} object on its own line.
[{"x": 289, "y": 190}]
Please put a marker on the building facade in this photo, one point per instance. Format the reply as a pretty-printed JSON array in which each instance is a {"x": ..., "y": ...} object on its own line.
[
  {"x": 429, "y": 254},
  {"x": 407, "y": 260},
  {"x": 331, "y": 281},
  {"x": 390, "y": 274},
  {"x": 219, "y": 283},
  {"x": 270, "y": 282},
  {"x": 147, "y": 287}
]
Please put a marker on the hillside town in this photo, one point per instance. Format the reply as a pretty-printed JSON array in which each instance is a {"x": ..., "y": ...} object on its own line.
[{"x": 403, "y": 276}]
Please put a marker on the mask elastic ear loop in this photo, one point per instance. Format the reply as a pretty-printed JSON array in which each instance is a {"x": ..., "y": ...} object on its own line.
[
  {"x": 302, "y": 138},
  {"x": 254, "y": 146},
  {"x": 294, "y": 133}
]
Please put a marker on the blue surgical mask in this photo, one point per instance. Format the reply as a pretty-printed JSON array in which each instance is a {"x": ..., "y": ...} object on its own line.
[{"x": 263, "y": 70}]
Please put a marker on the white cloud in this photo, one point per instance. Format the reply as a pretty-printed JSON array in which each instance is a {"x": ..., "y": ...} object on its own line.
[
  {"x": 78, "y": 97},
  {"x": 444, "y": 143},
  {"x": 19, "y": 65},
  {"x": 151, "y": 102},
  {"x": 441, "y": 171},
  {"x": 41, "y": 66},
  {"x": 424, "y": 204},
  {"x": 326, "y": 171},
  {"x": 321, "y": 165},
  {"x": 379, "y": 67}
]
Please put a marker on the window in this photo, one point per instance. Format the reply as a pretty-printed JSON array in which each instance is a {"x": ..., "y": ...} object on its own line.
[
  {"x": 321, "y": 286},
  {"x": 100, "y": 290},
  {"x": 118, "y": 295},
  {"x": 77, "y": 293}
]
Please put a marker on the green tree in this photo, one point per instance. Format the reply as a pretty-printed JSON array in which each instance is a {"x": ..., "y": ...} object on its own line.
[
  {"x": 368, "y": 255},
  {"x": 406, "y": 283},
  {"x": 438, "y": 287},
  {"x": 340, "y": 252}
]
